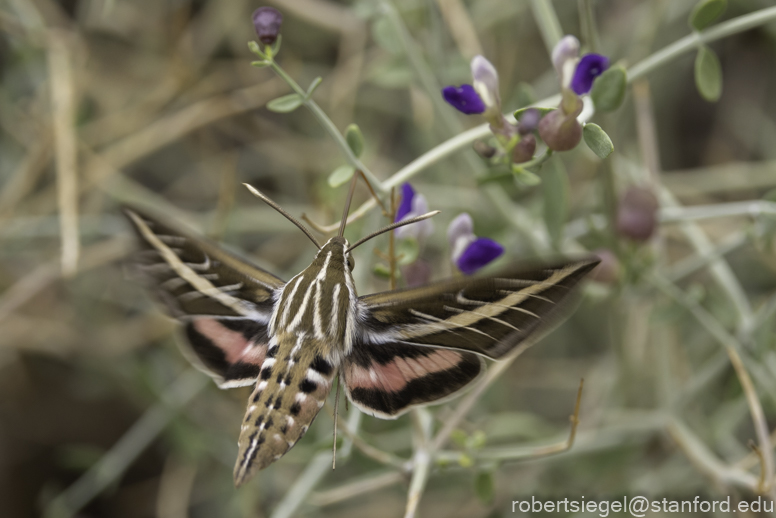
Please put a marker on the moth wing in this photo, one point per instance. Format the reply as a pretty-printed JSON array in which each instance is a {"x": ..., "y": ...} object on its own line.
[
  {"x": 429, "y": 339},
  {"x": 224, "y": 302}
]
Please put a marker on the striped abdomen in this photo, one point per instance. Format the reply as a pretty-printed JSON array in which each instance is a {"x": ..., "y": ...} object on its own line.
[{"x": 292, "y": 387}]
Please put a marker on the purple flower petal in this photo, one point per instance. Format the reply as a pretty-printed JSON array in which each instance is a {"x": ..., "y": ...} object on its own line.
[
  {"x": 479, "y": 253},
  {"x": 567, "y": 48},
  {"x": 461, "y": 226},
  {"x": 588, "y": 68},
  {"x": 486, "y": 82},
  {"x": 407, "y": 193},
  {"x": 464, "y": 99}
]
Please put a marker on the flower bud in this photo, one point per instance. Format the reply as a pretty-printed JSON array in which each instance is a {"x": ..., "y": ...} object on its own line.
[
  {"x": 524, "y": 150},
  {"x": 484, "y": 149},
  {"x": 608, "y": 270},
  {"x": 637, "y": 214},
  {"x": 266, "y": 21},
  {"x": 529, "y": 121},
  {"x": 559, "y": 131}
]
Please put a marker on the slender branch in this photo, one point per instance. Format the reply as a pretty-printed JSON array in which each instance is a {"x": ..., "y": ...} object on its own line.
[
  {"x": 692, "y": 41},
  {"x": 731, "y": 346},
  {"x": 327, "y": 124},
  {"x": 547, "y": 20}
]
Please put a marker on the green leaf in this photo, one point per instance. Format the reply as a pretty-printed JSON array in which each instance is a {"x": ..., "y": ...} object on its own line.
[
  {"x": 310, "y": 89},
  {"x": 341, "y": 175},
  {"x": 597, "y": 140},
  {"x": 285, "y": 104},
  {"x": 524, "y": 176},
  {"x": 705, "y": 12},
  {"x": 555, "y": 187},
  {"x": 407, "y": 250},
  {"x": 543, "y": 111},
  {"x": 708, "y": 74},
  {"x": 485, "y": 487},
  {"x": 386, "y": 36},
  {"x": 609, "y": 89},
  {"x": 355, "y": 139},
  {"x": 382, "y": 270}
]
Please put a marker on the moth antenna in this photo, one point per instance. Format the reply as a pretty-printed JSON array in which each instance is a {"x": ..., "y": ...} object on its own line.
[
  {"x": 344, "y": 219},
  {"x": 393, "y": 226},
  {"x": 288, "y": 216},
  {"x": 336, "y": 414}
]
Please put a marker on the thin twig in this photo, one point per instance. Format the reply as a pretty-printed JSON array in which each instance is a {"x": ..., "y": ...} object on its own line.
[{"x": 63, "y": 101}]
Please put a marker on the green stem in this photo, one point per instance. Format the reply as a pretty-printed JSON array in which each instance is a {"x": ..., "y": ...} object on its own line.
[
  {"x": 328, "y": 125},
  {"x": 547, "y": 20},
  {"x": 692, "y": 41}
]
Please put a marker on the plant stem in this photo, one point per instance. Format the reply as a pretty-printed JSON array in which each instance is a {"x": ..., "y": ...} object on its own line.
[
  {"x": 328, "y": 125},
  {"x": 692, "y": 41},
  {"x": 547, "y": 20}
]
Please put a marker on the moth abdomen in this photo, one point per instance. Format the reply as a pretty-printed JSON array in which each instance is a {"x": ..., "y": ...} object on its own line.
[{"x": 290, "y": 391}]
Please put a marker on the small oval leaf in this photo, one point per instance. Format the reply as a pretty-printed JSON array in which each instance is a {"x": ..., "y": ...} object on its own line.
[
  {"x": 355, "y": 139},
  {"x": 382, "y": 271},
  {"x": 285, "y": 104},
  {"x": 485, "y": 487},
  {"x": 708, "y": 74},
  {"x": 609, "y": 89},
  {"x": 525, "y": 177},
  {"x": 341, "y": 175},
  {"x": 542, "y": 110},
  {"x": 597, "y": 140},
  {"x": 407, "y": 251},
  {"x": 705, "y": 12}
]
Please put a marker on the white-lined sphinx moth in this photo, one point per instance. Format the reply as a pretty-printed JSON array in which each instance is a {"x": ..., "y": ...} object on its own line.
[{"x": 393, "y": 350}]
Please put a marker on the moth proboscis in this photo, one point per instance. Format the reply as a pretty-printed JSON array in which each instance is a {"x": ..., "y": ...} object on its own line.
[{"x": 393, "y": 351}]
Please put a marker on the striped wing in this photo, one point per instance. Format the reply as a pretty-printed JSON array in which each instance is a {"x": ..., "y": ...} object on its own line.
[
  {"x": 224, "y": 302},
  {"x": 420, "y": 345}
]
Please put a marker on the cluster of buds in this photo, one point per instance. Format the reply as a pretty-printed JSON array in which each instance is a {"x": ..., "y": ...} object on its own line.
[{"x": 559, "y": 128}]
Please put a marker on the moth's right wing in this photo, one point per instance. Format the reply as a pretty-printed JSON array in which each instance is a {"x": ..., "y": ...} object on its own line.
[{"x": 224, "y": 302}]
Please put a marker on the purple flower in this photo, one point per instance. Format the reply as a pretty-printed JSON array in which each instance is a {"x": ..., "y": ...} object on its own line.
[
  {"x": 469, "y": 252},
  {"x": 588, "y": 68},
  {"x": 266, "y": 21},
  {"x": 412, "y": 205},
  {"x": 479, "y": 253},
  {"x": 486, "y": 84},
  {"x": 464, "y": 99}
]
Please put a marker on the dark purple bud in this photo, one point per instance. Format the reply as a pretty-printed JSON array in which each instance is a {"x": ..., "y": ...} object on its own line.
[
  {"x": 405, "y": 207},
  {"x": 529, "y": 121},
  {"x": 464, "y": 99},
  {"x": 267, "y": 22},
  {"x": 484, "y": 149},
  {"x": 608, "y": 270},
  {"x": 637, "y": 214},
  {"x": 479, "y": 253},
  {"x": 559, "y": 131},
  {"x": 417, "y": 273},
  {"x": 588, "y": 68},
  {"x": 524, "y": 150}
]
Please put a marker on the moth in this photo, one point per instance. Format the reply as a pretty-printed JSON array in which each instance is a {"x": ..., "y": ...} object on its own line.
[{"x": 288, "y": 340}]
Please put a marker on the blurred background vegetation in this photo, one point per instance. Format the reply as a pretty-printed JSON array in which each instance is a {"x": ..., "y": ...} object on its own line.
[{"x": 104, "y": 102}]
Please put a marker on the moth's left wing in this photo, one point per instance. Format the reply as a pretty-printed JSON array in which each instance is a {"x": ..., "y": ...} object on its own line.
[
  {"x": 419, "y": 345},
  {"x": 224, "y": 302}
]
